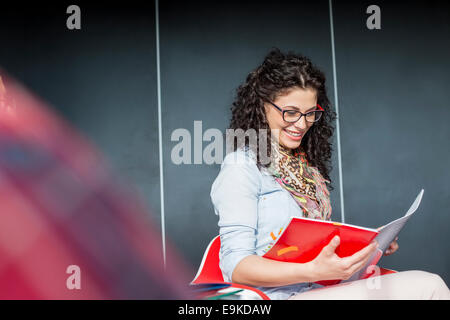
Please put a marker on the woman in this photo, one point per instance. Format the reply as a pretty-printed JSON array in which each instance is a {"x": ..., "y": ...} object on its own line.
[{"x": 254, "y": 198}]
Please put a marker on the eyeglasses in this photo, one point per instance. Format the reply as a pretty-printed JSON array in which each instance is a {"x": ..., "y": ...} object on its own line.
[{"x": 290, "y": 115}]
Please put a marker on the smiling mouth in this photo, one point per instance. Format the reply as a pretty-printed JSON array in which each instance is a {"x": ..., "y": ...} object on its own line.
[{"x": 293, "y": 133}]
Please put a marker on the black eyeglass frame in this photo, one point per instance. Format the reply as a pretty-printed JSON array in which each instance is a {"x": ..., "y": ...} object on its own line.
[{"x": 321, "y": 110}]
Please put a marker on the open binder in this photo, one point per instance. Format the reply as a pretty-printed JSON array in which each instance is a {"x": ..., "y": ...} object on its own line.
[{"x": 304, "y": 238}]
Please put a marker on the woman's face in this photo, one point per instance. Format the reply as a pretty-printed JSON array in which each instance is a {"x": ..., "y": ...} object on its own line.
[{"x": 291, "y": 134}]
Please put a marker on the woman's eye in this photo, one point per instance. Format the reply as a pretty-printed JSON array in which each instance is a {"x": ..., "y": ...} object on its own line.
[{"x": 291, "y": 112}]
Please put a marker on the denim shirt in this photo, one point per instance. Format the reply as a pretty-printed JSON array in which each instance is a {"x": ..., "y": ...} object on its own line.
[{"x": 253, "y": 209}]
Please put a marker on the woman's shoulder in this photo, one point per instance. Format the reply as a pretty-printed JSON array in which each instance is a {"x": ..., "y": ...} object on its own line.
[
  {"x": 238, "y": 173},
  {"x": 240, "y": 164},
  {"x": 243, "y": 157}
]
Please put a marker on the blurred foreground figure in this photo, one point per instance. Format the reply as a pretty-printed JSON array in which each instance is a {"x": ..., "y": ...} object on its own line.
[{"x": 68, "y": 230}]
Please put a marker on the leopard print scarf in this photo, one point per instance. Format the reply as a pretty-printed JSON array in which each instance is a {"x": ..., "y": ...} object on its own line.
[{"x": 304, "y": 182}]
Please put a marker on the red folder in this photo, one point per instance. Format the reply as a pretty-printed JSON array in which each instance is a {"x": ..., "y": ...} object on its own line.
[{"x": 304, "y": 238}]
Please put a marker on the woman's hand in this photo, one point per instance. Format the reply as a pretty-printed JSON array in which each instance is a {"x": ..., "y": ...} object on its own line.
[
  {"x": 329, "y": 266},
  {"x": 392, "y": 247}
]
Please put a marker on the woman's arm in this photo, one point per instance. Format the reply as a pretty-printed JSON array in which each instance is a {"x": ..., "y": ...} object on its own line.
[{"x": 258, "y": 271}]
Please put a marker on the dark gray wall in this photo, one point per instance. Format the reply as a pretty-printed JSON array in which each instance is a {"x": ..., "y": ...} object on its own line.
[
  {"x": 101, "y": 78},
  {"x": 393, "y": 89}
]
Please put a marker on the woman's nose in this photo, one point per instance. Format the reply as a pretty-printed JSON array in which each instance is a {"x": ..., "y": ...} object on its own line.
[{"x": 301, "y": 123}]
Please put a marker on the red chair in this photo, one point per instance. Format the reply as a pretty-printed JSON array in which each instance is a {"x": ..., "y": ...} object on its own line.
[{"x": 210, "y": 272}]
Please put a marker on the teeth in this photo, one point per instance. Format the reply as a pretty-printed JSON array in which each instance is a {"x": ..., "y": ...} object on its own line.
[{"x": 293, "y": 133}]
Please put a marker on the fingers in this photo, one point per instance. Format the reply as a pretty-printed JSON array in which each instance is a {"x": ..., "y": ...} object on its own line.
[
  {"x": 392, "y": 248},
  {"x": 356, "y": 267},
  {"x": 364, "y": 252},
  {"x": 361, "y": 263},
  {"x": 331, "y": 247}
]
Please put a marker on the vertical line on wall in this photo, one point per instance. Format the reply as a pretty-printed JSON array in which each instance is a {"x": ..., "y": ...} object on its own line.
[
  {"x": 336, "y": 103},
  {"x": 161, "y": 171}
]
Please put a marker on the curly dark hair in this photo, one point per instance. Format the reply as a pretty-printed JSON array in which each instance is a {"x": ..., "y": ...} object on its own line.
[{"x": 279, "y": 73}]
